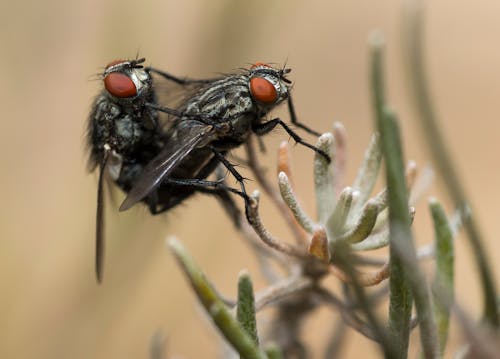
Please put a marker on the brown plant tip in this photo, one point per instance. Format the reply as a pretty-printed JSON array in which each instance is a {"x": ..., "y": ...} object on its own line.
[
  {"x": 411, "y": 173},
  {"x": 298, "y": 232},
  {"x": 318, "y": 247},
  {"x": 285, "y": 161},
  {"x": 340, "y": 135}
]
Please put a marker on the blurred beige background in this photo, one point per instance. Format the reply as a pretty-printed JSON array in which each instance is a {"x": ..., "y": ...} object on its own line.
[{"x": 51, "y": 307}]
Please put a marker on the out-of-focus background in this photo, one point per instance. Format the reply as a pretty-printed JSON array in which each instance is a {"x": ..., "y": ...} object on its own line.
[{"x": 51, "y": 306}]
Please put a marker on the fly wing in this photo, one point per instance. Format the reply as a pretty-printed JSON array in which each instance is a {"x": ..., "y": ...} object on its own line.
[
  {"x": 188, "y": 136},
  {"x": 99, "y": 223}
]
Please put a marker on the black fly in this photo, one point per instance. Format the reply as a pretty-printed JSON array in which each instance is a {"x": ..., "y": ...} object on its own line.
[
  {"x": 219, "y": 116},
  {"x": 124, "y": 134},
  {"x": 163, "y": 165}
]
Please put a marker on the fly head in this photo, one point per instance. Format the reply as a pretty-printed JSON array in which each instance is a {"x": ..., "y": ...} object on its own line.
[
  {"x": 268, "y": 86},
  {"x": 119, "y": 117},
  {"x": 126, "y": 81}
]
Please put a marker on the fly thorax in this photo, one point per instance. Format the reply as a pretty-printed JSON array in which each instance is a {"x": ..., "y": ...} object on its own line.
[
  {"x": 240, "y": 127},
  {"x": 105, "y": 110},
  {"x": 127, "y": 130}
]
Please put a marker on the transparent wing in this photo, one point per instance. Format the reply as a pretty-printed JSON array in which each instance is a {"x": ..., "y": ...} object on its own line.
[{"x": 192, "y": 134}]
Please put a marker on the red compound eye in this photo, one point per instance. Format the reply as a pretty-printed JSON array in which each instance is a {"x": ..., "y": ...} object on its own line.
[
  {"x": 259, "y": 64},
  {"x": 120, "y": 85},
  {"x": 262, "y": 90},
  {"x": 115, "y": 62}
]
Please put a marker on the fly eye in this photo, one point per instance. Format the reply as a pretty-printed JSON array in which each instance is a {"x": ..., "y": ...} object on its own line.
[
  {"x": 120, "y": 85},
  {"x": 115, "y": 62},
  {"x": 259, "y": 64},
  {"x": 263, "y": 90}
]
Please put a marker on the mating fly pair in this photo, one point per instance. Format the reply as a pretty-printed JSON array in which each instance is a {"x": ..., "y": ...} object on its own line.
[{"x": 163, "y": 164}]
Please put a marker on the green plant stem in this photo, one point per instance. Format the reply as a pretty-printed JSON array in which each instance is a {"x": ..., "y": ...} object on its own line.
[
  {"x": 400, "y": 297},
  {"x": 221, "y": 316},
  {"x": 418, "y": 82},
  {"x": 444, "y": 275},
  {"x": 344, "y": 261},
  {"x": 245, "y": 309},
  {"x": 274, "y": 352},
  {"x": 406, "y": 277}
]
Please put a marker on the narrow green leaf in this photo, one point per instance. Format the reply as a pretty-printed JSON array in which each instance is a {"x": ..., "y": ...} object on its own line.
[
  {"x": 337, "y": 222},
  {"x": 414, "y": 39},
  {"x": 443, "y": 284},
  {"x": 273, "y": 351},
  {"x": 400, "y": 298},
  {"x": 324, "y": 184},
  {"x": 407, "y": 279},
  {"x": 245, "y": 310},
  {"x": 368, "y": 171},
  {"x": 375, "y": 241},
  {"x": 227, "y": 324},
  {"x": 291, "y": 201},
  {"x": 401, "y": 241},
  {"x": 202, "y": 287},
  {"x": 234, "y": 333},
  {"x": 364, "y": 226}
]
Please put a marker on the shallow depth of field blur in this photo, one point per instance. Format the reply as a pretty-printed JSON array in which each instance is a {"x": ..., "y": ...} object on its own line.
[{"x": 51, "y": 306}]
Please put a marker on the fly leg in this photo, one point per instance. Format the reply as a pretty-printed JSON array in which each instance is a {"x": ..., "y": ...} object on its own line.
[
  {"x": 220, "y": 193},
  {"x": 239, "y": 178},
  {"x": 178, "y": 80},
  {"x": 217, "y": 188},
  {"x": 201, "y": 185},
  {"x": 265, "y": 127},
  {"x": 295, "y": 121},
  {"x": 227, "y": 201},
  {"x": 170, "y": 111}
]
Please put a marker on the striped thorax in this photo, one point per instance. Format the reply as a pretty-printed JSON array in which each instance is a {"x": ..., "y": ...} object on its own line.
[{"x": 240, "y": 99}]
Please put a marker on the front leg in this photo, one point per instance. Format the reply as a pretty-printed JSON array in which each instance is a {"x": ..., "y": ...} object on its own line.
[
  {"x": 178, "y": 80},
  {"x": 295, "y": 121},
  {"x": 266, "y": 127},
  {"x": 170, "y": 111}
]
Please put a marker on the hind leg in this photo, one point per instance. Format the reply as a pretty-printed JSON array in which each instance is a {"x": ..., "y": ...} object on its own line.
[{"x": 191, "y": 186}]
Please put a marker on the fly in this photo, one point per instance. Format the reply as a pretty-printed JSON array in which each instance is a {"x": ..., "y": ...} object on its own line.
[
  {"x": 124, "y": 134},
  {"x": 219, "y": 116}
]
